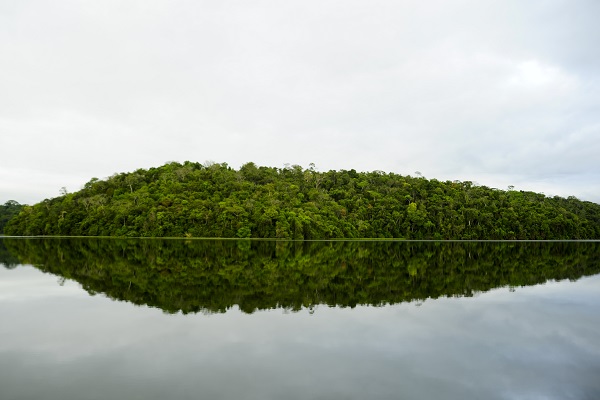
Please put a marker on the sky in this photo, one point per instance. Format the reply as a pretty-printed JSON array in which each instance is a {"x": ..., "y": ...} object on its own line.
[{"x": 495, "y": 92}]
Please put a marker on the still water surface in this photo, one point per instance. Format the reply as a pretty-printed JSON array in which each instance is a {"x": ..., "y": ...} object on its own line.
[{"x": 150, "y": 319}]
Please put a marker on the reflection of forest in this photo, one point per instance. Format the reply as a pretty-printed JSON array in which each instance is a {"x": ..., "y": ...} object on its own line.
[
  {"x": 214, "y": 275},
  {"x": 7, "y": 259}
]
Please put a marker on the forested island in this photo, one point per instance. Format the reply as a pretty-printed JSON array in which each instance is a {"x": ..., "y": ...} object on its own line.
[{"x": 215, "y": 200}]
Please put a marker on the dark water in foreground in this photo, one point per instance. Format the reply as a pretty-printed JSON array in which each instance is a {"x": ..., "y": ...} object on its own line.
[{"x": 281, "y": 320}]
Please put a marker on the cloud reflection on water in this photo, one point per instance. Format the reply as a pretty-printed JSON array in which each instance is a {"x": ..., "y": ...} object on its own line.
[{"x": 537, "y": 342}]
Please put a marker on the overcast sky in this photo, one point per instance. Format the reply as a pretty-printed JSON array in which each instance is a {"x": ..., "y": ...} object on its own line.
[{"x": 497, "y": 92}]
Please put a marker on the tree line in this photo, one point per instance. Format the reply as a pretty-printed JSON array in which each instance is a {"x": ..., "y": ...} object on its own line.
[{"x": 215, "y": 200}]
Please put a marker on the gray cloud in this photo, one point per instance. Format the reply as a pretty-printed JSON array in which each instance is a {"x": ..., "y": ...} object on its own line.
[{"x": 496, "y": 92}]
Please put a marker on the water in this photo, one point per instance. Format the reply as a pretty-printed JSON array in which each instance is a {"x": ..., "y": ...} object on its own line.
[{"x": 155, "y": 319}]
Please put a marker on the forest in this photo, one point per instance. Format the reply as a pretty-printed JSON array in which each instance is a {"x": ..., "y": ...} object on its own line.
[
  {"x": 214, "y": 275},
  {"x": 215, "y": 200},
  {"x": 7, "y": 211}
]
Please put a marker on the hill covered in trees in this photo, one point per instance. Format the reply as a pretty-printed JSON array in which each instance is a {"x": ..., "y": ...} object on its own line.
[{"x": 195, "y": 200}]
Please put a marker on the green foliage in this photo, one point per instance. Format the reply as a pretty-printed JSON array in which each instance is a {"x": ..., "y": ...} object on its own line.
[
  {"x": 7, "y": 211},
  {"x": 194, "y": 200},
  {"x": 214, "y": 275}
]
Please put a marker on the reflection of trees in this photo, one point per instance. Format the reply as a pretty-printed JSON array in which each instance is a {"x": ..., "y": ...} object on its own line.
[
  {"x": 7, "y": 260},
  {"x": 211, "y": 276}
]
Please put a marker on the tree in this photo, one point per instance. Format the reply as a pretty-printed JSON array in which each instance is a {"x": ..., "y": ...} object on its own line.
[
  {"x": 7, "y": 211},
  {"x": 215, "y": 200}
]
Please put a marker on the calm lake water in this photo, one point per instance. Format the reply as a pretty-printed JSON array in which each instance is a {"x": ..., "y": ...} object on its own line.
[{"x": 190, "y": 319}]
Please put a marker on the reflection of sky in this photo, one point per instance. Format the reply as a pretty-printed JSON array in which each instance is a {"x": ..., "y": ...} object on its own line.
[{"x": 539, "y": 342}]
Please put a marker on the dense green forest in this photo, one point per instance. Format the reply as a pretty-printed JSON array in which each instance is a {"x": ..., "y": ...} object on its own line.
[
  {"x": 7, "y": 211},
  {"x": 195, "y": 200},
  {"x": 214, "y": 275}
]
